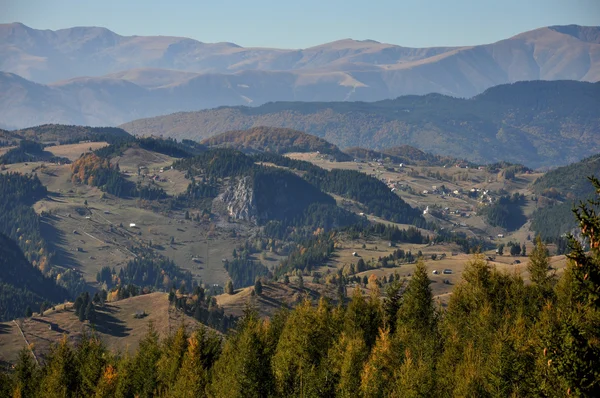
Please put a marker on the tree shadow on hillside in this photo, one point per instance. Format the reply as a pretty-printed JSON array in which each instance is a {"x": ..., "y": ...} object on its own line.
[
  {"x": 5, "y": 329},
  {"x": 108, "y": 324},
  {"x": 54, "y": 326},
  {"x": 56, "y": 243}
]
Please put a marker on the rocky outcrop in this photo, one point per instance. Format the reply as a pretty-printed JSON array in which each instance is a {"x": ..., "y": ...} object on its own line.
[{"x": 238, "y": 200}]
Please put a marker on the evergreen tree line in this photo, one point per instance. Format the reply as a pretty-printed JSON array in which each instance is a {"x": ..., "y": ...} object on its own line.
[
  {"x": 391, "y": 233},
  {"x": 147, "y": 270},
  {"x": 84, "y": 307}
]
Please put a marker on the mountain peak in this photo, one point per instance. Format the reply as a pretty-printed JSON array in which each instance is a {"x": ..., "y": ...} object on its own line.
[{"x": 590, "y": 34}]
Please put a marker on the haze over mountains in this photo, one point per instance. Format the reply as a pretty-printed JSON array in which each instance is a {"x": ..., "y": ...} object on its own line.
[{"x": 132, "y": 77}]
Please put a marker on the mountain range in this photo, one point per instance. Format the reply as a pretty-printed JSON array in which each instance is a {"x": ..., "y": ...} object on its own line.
[{"x": 92, "y": 76}]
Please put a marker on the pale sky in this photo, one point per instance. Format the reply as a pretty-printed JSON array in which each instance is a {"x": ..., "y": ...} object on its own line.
[{"x": 301, "y": 24}]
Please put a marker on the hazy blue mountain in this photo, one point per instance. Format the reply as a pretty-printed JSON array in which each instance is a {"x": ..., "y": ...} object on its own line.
[{"x": 94, "y": 76}]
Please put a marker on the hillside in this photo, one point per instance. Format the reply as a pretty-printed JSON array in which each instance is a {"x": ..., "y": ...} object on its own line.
[
  {"x": 21, "y": 284},
  {"x": 92, "y": 76},
  {"x": 117, "y": 326},
  {"x": 532, "y": 123},
  {"x": 275, "y": 140},
  {"x": 559, "y": 191}
]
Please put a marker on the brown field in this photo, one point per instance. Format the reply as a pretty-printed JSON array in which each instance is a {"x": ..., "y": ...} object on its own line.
[
  {"x": 74, "y": 151},
  {"x": 116, "y": 326},
  {"x": 134, "y": 158}
]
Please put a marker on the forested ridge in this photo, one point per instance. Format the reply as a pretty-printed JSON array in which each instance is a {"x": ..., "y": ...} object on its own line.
[
  {"x": 498, "y": 336},
  {"x": 351, "y": 184},
  {"x": 67, "y": 134},
  {"x": 274, "y": 140},
  {"x": 536, "y": 123}
]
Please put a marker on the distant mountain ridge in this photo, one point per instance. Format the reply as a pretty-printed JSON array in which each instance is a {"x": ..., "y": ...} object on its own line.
[
  {"x": 533, "y": 123},
  {"x": 93, "y": 76}
]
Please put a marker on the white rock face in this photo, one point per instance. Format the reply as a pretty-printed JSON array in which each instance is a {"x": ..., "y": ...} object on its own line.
[{"x": 238, "y": 200}]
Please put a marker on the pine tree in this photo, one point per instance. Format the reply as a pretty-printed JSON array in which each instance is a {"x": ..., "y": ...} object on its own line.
[
  {"x": 417, "y": 312},
  {"x": 202, "y": 352}
]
